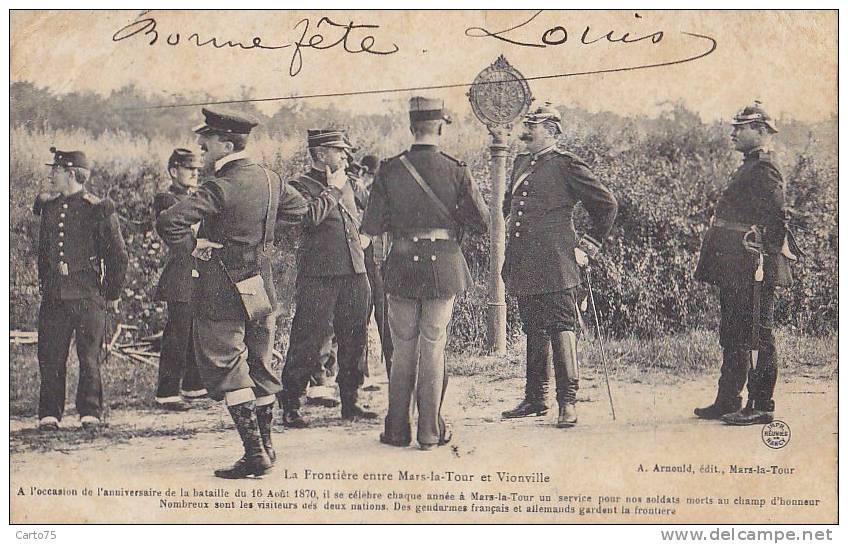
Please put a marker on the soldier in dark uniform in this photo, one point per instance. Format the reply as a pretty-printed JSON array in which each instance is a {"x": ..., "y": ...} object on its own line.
[
  {"x": 424, "y": 199},
  {"x": 233, "y": 296},
  {"x": 543, "y": 256},
  {"x": 178, "y": 374},
  {"x": 332, "y": 288},
  {"x": 82, "y": 261},
  {"x": 743, "y": 253}
]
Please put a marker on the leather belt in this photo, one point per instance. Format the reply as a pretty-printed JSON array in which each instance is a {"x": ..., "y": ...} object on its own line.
[
  {"x": 424, "y": 234},
  {"x": 239, "y": 255},
  {"x": 729, "y": 225}
]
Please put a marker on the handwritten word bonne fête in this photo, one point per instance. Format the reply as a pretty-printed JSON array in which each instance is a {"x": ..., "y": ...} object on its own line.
[{"x": 325, "y": 34}]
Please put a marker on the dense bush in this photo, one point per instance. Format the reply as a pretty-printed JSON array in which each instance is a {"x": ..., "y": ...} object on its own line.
[{"x": 667, "y": 174}]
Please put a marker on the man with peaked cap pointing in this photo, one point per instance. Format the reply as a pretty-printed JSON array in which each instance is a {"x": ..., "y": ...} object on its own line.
[
  {"x": 178, "y": 374},
  {"x": 332, "y": 290},
  {"x": 745, "y": 253},
  {"x": 82, "y": 262},
  {"x": 543, "y": 256},
  {"x": 424, "y": 199},
  {"x": 234, "y": 298}
]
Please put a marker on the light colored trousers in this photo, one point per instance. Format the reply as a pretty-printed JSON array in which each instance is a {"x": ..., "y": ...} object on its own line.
[{"x": 420, "y": 332}]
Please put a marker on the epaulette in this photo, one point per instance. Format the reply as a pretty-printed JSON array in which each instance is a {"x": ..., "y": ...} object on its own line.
[
  {"x": 570, "y": 156},
  {"x": 390, "y": 159},
  {"x": 104, "y": 207},
  {"x": 457, "y": 161}
]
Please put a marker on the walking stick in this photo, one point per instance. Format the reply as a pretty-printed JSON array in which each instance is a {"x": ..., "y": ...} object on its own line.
[{"x": 600, "y": 341}]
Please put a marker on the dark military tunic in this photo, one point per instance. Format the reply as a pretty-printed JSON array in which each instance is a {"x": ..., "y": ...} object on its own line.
[
  {"x": 418, "y": 267},
  {"x": 175, "y": 282},
  {"x": 177, "y": 365},
  {"x": 754, "y": 197},
  {"x": 539, "y": 204},
  {"x": 332, "y": 292},
  {"x": 233, "y": 352},
  {"x": 82, "y": 259}
]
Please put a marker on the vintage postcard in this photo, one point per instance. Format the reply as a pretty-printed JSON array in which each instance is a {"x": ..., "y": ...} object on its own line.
[{"x": 527, "y": 266}]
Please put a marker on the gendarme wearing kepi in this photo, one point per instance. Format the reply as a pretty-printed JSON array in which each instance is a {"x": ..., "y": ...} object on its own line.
[
  {"x": 746, "y": 253},
  {"x": 82, "y": 260},
  {"x": 233, "y": 295},
  {"x": 424, "y": 198},
  {"x": 332, "y": 291}
]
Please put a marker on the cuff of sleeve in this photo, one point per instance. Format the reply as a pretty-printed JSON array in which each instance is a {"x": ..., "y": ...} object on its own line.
[
  {"x": 333, "y": 192},
  {"x": 590, "y": 245}
]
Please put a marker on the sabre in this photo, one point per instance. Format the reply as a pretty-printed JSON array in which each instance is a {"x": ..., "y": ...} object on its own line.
[{"x": 600, "y": 341}]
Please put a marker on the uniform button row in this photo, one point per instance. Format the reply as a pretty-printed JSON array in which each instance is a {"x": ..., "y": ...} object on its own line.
[
  {"x": 61, "y": 244},
  {"x": 520, "y": 212},
  {"x": 416, "y": 258},
  {"x": 61, "y": 225},
  {"x": 61, "y": 234},
  {"x": 521, "y": 203},
  {"x": 524, "y": 193},
  {"x": 518, "y": 223},
  {"x": 517, "y": 234},
  {"x": 61, "y": 253},
  {"x": 62, "y": 215},
  {"x": 65, "y": 206}
]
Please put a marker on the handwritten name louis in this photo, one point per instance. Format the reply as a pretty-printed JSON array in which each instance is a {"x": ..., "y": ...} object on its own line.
[{"x": 323, "y": 35}]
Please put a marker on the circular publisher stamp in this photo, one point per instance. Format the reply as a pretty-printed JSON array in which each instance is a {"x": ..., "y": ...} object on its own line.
[{"x": 776, "y": 434}]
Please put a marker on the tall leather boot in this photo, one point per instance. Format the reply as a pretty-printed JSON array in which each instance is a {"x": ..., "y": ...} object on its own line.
[
  {"x": 255, "y": 461},
  {"x": 761, "y": 381},
  {"x": 734, "y": 368},
  {"x": 350, "y": 410},
  {"x": 265, "y": 418},
  {"x": 537, "y": 378},
  {"x": 564, "y": 345}
]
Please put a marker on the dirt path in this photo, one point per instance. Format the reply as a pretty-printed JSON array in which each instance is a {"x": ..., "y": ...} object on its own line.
[{"x": 143, "y": 449}]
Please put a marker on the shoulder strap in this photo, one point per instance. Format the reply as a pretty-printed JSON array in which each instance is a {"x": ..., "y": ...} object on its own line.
[{"x": 426, "y": 188}]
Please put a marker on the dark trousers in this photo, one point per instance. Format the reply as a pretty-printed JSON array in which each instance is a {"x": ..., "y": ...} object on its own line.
[
  {"x": 234, "y": 355},
  {"x": 735, "y": 336},
  {"x": 58, "y": 320},
  {"x": 378, "y": 305},
  {"x": 544, "y": 317},
  {"x": 327, "y": 305},
  {"x": 177, "y": 364}
]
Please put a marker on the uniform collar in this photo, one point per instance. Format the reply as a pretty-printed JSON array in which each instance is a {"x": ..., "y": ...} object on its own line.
[
  {"x": 424, "y": 147},
  {"x": 756, "y": 153},
  {"x": 220, "y": 163},
  {"x": 79, "y": 194},
  {"x": 178, "y": 189},
  {"x": 317, "y": 175},
  {"x": 535, "y": 156}
]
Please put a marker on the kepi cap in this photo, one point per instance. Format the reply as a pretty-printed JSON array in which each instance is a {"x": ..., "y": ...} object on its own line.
[
  {"x": 754, "y": 114},
  {"x": 75, "y": 159},
  {"x": 220, "y": 121},
  {"x": 185, "y": 158},
  {"x": 542, "y": 114},
  {"x": 427, "y": 109},
  {"x": 328, "y": 138}
]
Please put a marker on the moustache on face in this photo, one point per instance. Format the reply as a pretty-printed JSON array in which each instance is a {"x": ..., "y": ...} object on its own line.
[{"x": 525, "y": 137}]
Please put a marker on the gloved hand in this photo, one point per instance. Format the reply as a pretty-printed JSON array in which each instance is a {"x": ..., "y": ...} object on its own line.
[
  {"x": 586, "y": 249},
  {"x": 203, "y": 249}
]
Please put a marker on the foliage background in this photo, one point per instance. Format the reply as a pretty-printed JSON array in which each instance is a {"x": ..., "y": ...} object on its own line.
[{"x": 666, "y": 172}]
